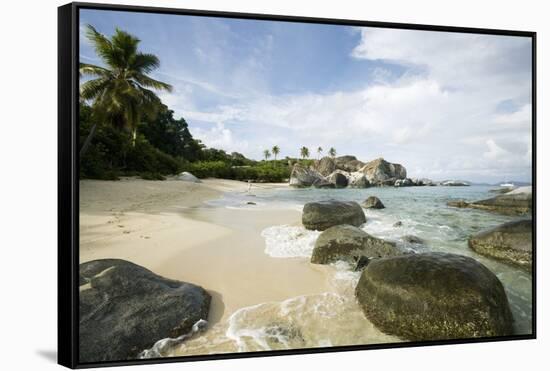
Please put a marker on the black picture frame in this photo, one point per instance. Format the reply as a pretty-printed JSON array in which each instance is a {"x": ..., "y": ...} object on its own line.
[{"x": 68, "y": 187}]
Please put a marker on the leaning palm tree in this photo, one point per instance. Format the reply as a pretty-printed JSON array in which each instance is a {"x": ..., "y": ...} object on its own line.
[
  {"x": 332, "y": 152},
  {"x": 120, "y": 91},
  {"x": 275, "y": 150},
  {"x": 267, "y": 154},
  {"x": 319, "y": 151},
  {"x": 304, "y": 152}
]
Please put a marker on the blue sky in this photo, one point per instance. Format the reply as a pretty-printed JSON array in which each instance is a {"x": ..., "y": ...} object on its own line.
[{"x": 443, "y": 105}]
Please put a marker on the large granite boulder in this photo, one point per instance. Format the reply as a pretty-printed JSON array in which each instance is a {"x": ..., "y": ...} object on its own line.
[
  {"x": 338, "y": 179},
  {"x": 348, "y": 163},
  {"x": 433, "y": 296},
  {"x": 323, "y": 183},
  {"x": 358, "y": 180},
  {"x": 373, "y": 202},
  {"x": 302, "y": 176},
  {"x": 325, "y": 166},
  {"x": 508, "y": 204},
  {"x": 382, "y": 172},
  {"x": 325, "y": 214},
  {"x": 349, "y": 244},
  {"x": 125, "y": 309},
  {"x": 510, "y": 242}
]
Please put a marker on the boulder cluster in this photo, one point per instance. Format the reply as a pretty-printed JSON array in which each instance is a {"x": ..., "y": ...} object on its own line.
[
  {"x": 347, "y": 171},
  {"x": 415, "y": 296}
]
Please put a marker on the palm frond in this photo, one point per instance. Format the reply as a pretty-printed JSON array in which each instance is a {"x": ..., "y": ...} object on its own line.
[
  {"x": 145, "y": 63},
  {"x": 93, "y": 70},
  {"x": 149, "y": 82}
]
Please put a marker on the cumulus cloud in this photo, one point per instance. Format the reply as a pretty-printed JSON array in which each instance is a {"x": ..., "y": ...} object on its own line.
[{"x": 441, "y": 118}]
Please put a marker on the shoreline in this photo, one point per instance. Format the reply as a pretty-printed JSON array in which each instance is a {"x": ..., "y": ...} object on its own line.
[{"x": 166, "y": 227}]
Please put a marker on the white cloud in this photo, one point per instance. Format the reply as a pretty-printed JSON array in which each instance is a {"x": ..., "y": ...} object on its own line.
[
  {"x": 439, "y": 119},
  {"x": 221, "y": 137}
]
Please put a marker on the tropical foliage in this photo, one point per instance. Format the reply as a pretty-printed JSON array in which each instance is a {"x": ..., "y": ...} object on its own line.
[{"x": 121, "y": 92}]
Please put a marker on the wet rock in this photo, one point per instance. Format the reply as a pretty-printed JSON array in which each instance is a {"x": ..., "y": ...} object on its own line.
[
  {"x": 325, "y": 214},
  {"x": 373, "y": 202},
  {"x": 348, "y": 243},
  {"x": 412, "y": 239},
  {"x": 434, "y": 296},
  {"x": 508, "y": 204},
  {"x": 125, "y": 309},
  {"x": 511, "y": 243},
  {"x": 398, "y": 223},
  {"x": 459, "y": 204}
]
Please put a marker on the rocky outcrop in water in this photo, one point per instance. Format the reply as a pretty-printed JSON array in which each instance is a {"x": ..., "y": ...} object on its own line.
[
  {"x": 348, "y": 243},
  {"x": 511, "y": 203},
  {"x": 407, "y": 182},
  {"x": 325, "y": 214},
  {"x": 373, "y": 202},
  {"x": 125, "y": 309},
  {"x": 511, "y": 243},
  {"x": 454, "y": 183},
  {"x": 434, "y": 296},
  {"x": 382, "y": 172},
  {"x": 338, "y": 179},
  {"x": 302, "y": 176}
]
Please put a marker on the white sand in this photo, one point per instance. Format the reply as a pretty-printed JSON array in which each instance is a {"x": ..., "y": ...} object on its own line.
[{"x": 166, "y": 227}]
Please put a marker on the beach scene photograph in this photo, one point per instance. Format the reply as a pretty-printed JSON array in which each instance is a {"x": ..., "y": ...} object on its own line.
[{"x": 259, "y": 185}]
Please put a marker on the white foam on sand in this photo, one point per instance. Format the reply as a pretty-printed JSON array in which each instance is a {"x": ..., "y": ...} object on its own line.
[
  {"x": 284, "y": 241},
  {"x": 301, "y": 322}
]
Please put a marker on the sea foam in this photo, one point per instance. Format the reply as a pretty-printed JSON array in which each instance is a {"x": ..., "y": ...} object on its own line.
[{"x": 284, "y": 241}]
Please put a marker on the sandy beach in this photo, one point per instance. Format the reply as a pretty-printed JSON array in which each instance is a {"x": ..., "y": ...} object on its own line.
[{"x": 166, "y": 227}]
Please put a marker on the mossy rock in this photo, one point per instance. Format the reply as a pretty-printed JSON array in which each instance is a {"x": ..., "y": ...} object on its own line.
[
  {"x": 348, "y": 243},
  {"x": 434, "y": 296},
  {"x": 510, "y": 243}
]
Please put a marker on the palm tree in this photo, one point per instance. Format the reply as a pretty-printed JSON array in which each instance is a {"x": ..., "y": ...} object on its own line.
[
  {"x": 332, "y": 152},
  {"x": 304, "y": 152},
  {"x": 319, "y": 151},
  {"x": 267, "y": 154},
  {"x": 275, "y": 150},
  {"x": 120, "y": 92}
]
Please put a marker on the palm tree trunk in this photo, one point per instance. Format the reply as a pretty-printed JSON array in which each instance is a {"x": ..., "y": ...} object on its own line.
[{"x": 88, "y": 140}]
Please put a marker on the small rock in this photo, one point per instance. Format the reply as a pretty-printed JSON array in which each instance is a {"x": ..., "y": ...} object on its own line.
[
  {"x": 399, "y": 223},
  {"x": 373, "y": 202},
  {"x": 412, "y": 239}
]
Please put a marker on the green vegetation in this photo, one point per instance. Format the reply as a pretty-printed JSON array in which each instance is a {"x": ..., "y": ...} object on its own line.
[
  {"x": 332, "y": 152},
  {"x": 125, "y": 129},
  {"x": 304, "y": 152},
  {"x": 120, "y": 91}
]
